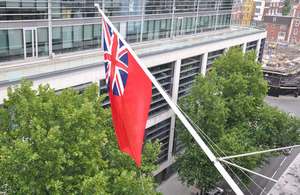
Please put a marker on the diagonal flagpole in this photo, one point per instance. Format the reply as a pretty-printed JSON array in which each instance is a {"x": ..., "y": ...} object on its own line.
[{"x": 205, "y": 148}]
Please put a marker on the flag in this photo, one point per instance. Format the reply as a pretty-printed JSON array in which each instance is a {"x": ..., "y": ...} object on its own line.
[{"x": 129, "y": 90}]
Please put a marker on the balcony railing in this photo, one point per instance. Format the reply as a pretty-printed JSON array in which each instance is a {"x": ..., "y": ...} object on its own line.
[{"x": 10, "y": 72}]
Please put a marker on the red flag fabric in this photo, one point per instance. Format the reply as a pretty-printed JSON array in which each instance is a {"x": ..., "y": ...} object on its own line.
[{"x": 130, "y": 91}]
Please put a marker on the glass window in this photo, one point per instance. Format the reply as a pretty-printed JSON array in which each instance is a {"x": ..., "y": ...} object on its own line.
[
  {"x": 188, "y": 26},
  {"x": 160, "y": 131},
  {"x": 43, "y": 43},
  {"x": 186, "y": 6},
  {"x": 67, "y": 39},
  {"x": 177, "y": 144},
  {"x": 211, "y": 57},
  {"x": 4, "y": 46},
  {"x": 133, "y": 31},
  {"x": 78, "y": 38},
  {"x": 15, "y": 42},
  {"x": 158, "y": 6},
  {"x": 56, "y": 40},
  {"x": 24, "y": 10},
  {"x": 163, "y": 74},
  {"x": 88, "y": 36},
  {"x": 104, "y": 91},
  {"x": 156, "y": 29},
  {"x": 121, "y": 8},
  {"x": 190, "y": 67},
  {"x": 97, "y": 35},
  {"x": 251, "y": 46},
  {"x": 71, "y": 9}
]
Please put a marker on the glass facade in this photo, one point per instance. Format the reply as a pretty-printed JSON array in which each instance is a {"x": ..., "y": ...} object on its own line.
[
  {"x": 177, "y": 144},
  {"x": 68, "y": 39},
  {"x": 133, "y": 31},
  {"x": 163, "y": 74},
  {"x": 261, "y": 50},
  {"x": 11, "y": 45},
  {"x": 161, "y": 132},
  {"x": 251, "y": 46},
  {"x": 212, "y": 56},
  {"x": 104, "y": 91},
  {"x": 23, "y": 10},
  {"x": 156, "y": 29},
  {"x": 59, "y": 25},
  {"x": 158, "y": 6},
  {"x": 190, "y": 67}
]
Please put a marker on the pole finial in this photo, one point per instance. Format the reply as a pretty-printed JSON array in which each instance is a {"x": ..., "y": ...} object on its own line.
[{"x": 96, "y": 5}]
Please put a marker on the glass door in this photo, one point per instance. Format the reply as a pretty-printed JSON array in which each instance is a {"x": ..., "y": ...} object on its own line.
[{"x": 30, "y": 43}]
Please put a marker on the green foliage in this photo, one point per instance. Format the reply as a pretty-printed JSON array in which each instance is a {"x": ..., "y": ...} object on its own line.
[
  {"x": 286, "y": 8},
  {"x": 65, "y": 144},
  {"x": 228, "y": 105}
]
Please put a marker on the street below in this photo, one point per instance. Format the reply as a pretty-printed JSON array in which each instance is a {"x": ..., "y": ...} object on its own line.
[{"x": 279, "y": 164}]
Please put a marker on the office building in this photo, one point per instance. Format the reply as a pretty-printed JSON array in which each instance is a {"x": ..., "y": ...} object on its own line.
[{"x": 59, "y": 42}]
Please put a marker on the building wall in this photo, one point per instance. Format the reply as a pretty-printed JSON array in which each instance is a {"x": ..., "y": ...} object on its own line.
[
  {"x": 263, "y": 7},
  {"x": 273, "y": 7},
  {"x": 62, "y": 27},
  {"x": 294, "y": 36},
  {"x": 237, "y": 15},
  {"x": 259, "y": 7},
  {"x": 175, "y": 42},
  {"x": 273, "y": 30}
]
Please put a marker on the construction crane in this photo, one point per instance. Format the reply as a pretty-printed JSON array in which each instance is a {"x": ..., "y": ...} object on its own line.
[{"x": 247, "y": 12}]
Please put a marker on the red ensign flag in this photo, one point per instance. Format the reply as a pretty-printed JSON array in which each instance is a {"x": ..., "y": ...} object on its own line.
[{"x": 129, "y": 90}]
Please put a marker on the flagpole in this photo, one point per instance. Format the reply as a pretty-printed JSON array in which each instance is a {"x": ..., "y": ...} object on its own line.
[{"x": 207, "y": 151}]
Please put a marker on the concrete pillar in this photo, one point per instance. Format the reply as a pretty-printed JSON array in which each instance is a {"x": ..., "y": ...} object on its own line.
[
  {"x": 176, "y": 78},
  {"x": 175, "y": 88},
  {"x": 123, "y": 29},
  {"x": 204, "y": 64},
  {"x": 244, "y": 47}
]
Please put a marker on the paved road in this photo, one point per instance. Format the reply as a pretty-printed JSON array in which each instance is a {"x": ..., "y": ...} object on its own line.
[
  {"x": 286, "y": 103},
  {"x": 279, "y": 164}
]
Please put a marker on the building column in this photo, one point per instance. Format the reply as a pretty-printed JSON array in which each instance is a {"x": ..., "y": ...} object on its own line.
[
  {"x": 244, "y": 47},
  {"x": 50, "y": 29},
  {"x": 204, "y": 64},
  {"x": 257, "y": 49},
  {"x": 175, "y": 88}
]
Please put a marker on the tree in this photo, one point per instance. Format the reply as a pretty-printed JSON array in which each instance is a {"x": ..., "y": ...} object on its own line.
[
  {"x": 286, "y": 7},
  {"x": 228, "y": 105},
  {"x": 65, "y": 144}
]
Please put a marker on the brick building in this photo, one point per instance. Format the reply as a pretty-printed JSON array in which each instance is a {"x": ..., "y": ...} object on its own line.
[
  {"x": 262, "y": 8},
  {"x": 295, "y": 26},
  {"x": 237, "y": 13},
  {"x": 284, "y": 29},
  {"x": 277, "y": 28}
]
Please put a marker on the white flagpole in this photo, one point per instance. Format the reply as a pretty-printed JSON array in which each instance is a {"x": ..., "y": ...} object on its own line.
[{"x": 207, "y": 151}]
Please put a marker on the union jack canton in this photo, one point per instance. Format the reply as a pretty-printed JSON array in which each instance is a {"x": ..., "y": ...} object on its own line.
[{"x": 115, "y": 60}]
